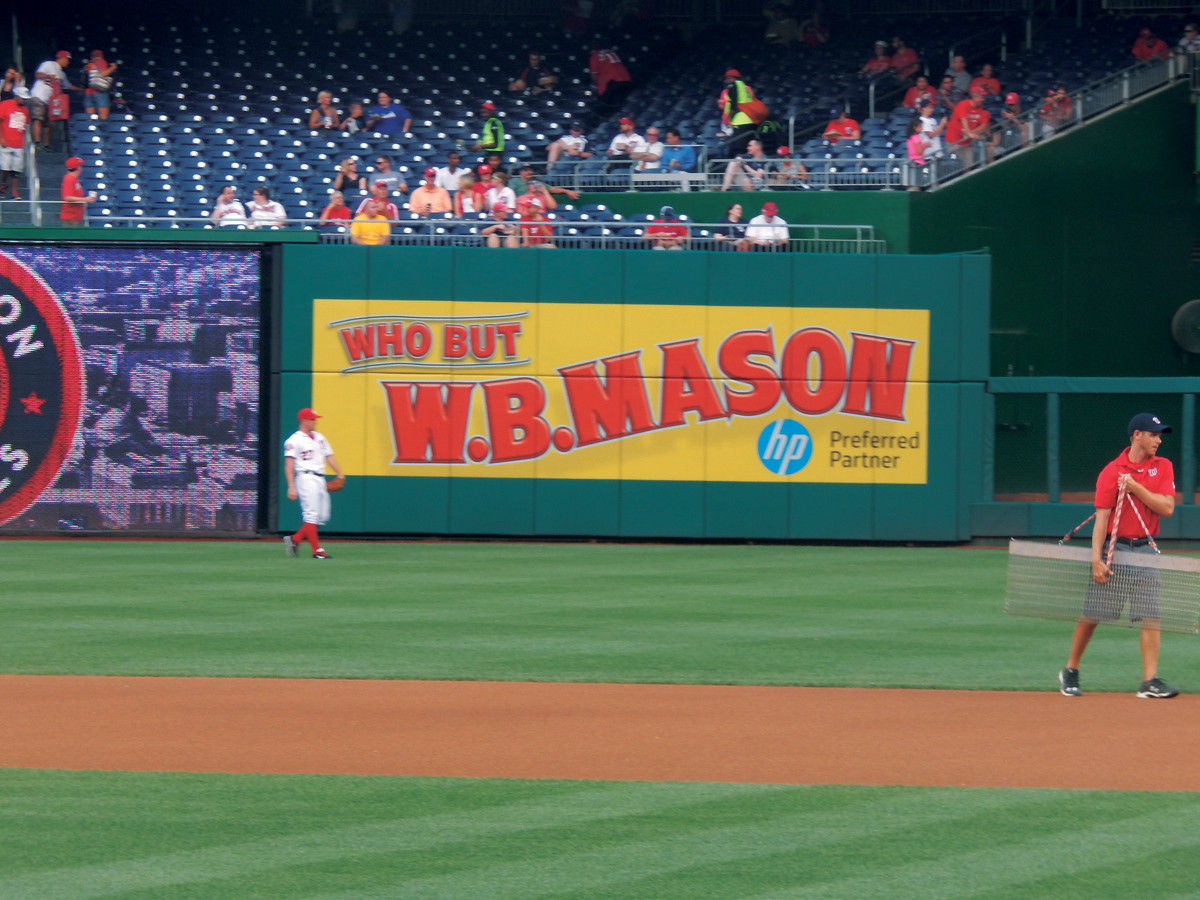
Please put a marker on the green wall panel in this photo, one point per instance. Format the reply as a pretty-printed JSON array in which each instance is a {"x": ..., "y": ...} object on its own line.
[
  {"x": 662, "y": 509},
  {"x": 406, "y": 505},
  {"x": 488, "y": 273},
  {"x": 501, "y": 506},
  {"x": 575, "y": 507},
  {"x": 578, "y": 276},
  {"x": 664, "y": 277},
  {"x": 741, "y": 510},
  {"x": 833, "y": 279},
  {"x": 739, "y": 279},
  {"x": 311, "y": 273},
  {"x": 429, "y": 275},
  {"x": 839, "y": 512}
]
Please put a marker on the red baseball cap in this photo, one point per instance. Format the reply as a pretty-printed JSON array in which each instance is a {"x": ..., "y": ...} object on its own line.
[
  {"x": 74, "y": 162},
  {"x": 431, "y": 173},
  {"x": 487, "y": 104},
  {"x": 380, "y": 184},
  {"x": 1145, "y": 32},
  {"x": 769, "y": 209},
  {"x": 626, "y": 122},
  {"x": 307, "y": 413},
  {"x": 732, "y": 73},
  {"x": 485, "y": 169},
  {"x": 499, "y": 207},
  {"x": 783, "y": 151},
  {"x": 1011, "y": 98},
  {"x": 65, "y": 53}
]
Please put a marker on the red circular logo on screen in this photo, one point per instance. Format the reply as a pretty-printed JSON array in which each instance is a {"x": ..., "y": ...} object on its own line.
[{"x": 41, "y": 387}]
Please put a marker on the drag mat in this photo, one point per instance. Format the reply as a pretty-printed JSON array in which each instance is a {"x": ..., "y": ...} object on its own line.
[{"x": 789, "y": 735}]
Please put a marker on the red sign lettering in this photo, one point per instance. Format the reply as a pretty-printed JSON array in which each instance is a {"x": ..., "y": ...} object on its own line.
[
  {"x": 734, "y": 359},
  {"x": 878, "y": 376},
  {"x": 615, "y": 408},
  {"x": 516, "y": 426},
  {"x": 429, "y": 419},
  {"x": 454, "y": 341},
  {"x": 359, "y": 342},
  {"x": 830, "y": 375},
  {"x": 687, "y": 385}
]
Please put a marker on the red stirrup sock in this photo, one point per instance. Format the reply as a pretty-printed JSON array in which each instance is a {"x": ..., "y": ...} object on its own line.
[{"x": 308, "y": 531}]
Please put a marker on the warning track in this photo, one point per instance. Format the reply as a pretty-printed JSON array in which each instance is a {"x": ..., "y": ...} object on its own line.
[{"x": 788, "y": 735}]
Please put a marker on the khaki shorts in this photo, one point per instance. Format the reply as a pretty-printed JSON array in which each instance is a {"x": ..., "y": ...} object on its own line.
[{"x": 38, "y": 109}]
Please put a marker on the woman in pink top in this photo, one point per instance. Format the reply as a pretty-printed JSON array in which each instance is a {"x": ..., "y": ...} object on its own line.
[{"x": 917, "y": 144}]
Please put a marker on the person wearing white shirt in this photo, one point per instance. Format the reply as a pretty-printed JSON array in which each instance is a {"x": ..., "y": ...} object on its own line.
[
  {"x": 1190, "y": 42},
  {"x": 229, "y": 210},
  {"x": 649, "y": 157},
  {"x": 501, "y": 194},
  {"x": 627, "y": 141},
  {"x": 449, "y": 176},
  {"x": 573, "y": 144},
  {"x": 767, "y": 231},
  {"x": 265, "y": 212},
  {"x": 50, "y": 71},
  {"x": 931, "y": 130}
]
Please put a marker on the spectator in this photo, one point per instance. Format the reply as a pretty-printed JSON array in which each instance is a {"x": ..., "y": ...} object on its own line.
[
  {"x": 948, "y": 94},
  {"x": 73, "y": 200},
  {"x": 383, "y": 174},
  {"x": 968, "y": 124},
  {"x": 573, "y": 144},
  {"x": 730, "y": 233},
  {"x": 496, "y": 161},
  {"x": 229, "y": 211},
  {"x": 450, "y": 176},
  {"x": 1056, "y": 112},
  {"x": 97, "y": 96},
  {"x": 370, "y": 227},
  {"x": 492, "y": 135},
  {"x": 917, "y": 144},
  {"x": 1147, "y": 46},
  {"x": 347, "y": 177},
  {"x": 379, "y": 193},
  {"x": 879, "y": 64},
  {"x": 919, "y": 94},
  {"x": 429, "y": 198},
  {"x": 386, "y": 118},
  {"x": 842, "y": 128},
  {"x": 337, "y": 210},
  {"x": 739, "y": 97},
  {"x": 49, "y": 72},
  {"x": 678, "y": 157},
  {"x": 767, "y": 231},
  {"x": 324, "y": 117},
  {"x": 958, "y": 72},
  {"x": 905, "y": 60},
  {"x": 483, "y": 184},
  {"x": 535, "y": 190},
  {"x": 14, "y": 117},
  {"x": 649, "y": 158},
  {"x": 986, "y": 83},
  {"x": 750, "y": 170},
  {"x": 464, "y": 197},
  {"x": 666, "y": 232},
  {"x": 611, "y": 79},
  {"x": 500, "y": 192},
  {"x": 812, "y": 32},
  {"x": 525, "y": 183},
  {"x": 1189, "y": 43},
  {"x": 503, "y": 233},
  {"x": 12, "y": 79},
  {"x": 535, "y": 77},
  {"x": 1009, "y": 124},
  {"x": 782, "y": 27},
  {"x": 265, "y": 212},
  {"x": 355, "y": 121},
  {"x": 627, "y": 141},
  {"x": 788, "y": 172},
  {"x": 535, "y": 230},
  {"x": 931, "y": 131}
]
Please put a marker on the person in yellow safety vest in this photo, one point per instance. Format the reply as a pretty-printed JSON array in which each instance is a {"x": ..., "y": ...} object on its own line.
[
  {"x": 736, "y": 93},
  {"x": 492, "y": 135}
]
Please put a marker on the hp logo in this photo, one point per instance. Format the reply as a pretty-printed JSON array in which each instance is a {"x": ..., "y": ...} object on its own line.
[{"x": 785, "y": 447}]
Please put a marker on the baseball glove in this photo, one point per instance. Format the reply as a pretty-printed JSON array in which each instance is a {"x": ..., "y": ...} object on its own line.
[{"x": 336, "y": 484}]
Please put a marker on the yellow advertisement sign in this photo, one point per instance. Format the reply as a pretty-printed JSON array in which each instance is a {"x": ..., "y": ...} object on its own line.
[{"x": 612, "y": 391}]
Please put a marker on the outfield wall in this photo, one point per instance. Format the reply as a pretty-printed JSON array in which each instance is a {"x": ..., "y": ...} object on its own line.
[{"x": 638, "y": 394}]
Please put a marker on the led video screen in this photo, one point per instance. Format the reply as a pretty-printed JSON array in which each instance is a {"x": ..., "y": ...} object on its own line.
[{"x": 129, "y": 389}]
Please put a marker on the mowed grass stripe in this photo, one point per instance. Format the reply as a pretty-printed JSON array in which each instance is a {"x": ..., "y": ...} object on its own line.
[
  {"x": 132, "y": 836},
  {"x": 854, "y": 616}
]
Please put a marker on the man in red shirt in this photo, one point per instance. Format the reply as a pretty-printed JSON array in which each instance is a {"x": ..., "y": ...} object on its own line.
[
  {"x": 905, "y": 60},
  {"x": 968, "y": 123},
  {"x": 612, "y": 81},
  {"x": 843, "y": 127},
  {"x": 73, "y": 199},
  {"x": 379, "y": 191},
  {"x": 1147, "y": 46},
  {"x": 986, "y": 83},
  {"x": 538, "y": 232},
  {"x": 667, "y": 232},
  {"x": 919, "y": 94},
  {"x": 1148, "y": 481},
  {"x": 14, "y": 117}
]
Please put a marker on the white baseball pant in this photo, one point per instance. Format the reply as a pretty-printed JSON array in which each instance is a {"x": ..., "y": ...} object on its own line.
[{"x": 314, "y": 498}]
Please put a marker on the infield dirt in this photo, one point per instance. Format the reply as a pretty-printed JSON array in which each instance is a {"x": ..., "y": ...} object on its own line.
[{"x": 787, "y": 735}]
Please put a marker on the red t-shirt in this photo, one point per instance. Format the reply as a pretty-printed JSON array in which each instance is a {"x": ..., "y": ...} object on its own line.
[
  {"x": 984, "y": 85},
  {"x": 71, "y": 212},
  {"x": 916, "y": 97},
  {"x": 904, "y": 60},
  {"x": 1156, "y": 474},
  {"x": 525, "y": 201},
  {"x": 606, "y": 66},
  {"x": 336, "y": 212},
  {"x": 1159, "y": 48},
  {"x": 877, "y": 64},
  {"x": 667, "y": 228},
  {"x": 537, "y": 231},
  {"x": 846, "y": 129},
  {"x": 13, "y": 119},
  {"x": 976, "y": 118}
]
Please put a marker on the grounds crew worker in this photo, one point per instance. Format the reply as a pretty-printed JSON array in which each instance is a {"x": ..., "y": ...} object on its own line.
[
  {"x": 1149, "y": 482},
  {"x": 492, "y": 135},
  {"x": 736, "y": 93}
]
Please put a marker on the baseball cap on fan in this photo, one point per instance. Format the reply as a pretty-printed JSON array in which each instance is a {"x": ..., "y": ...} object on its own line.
[
  {"x": 1147, "y": 422},
  {"x": 74, "y": 163},
  {"x": 1011, "y": 99},
  {"x": 1145, "y": 33},
  {"x": 306, "y": 413},
  {"x": 769, "y": 209}
]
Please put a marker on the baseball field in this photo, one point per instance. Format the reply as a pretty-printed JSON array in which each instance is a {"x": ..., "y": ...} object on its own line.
[{"x": 506, "y": 720}]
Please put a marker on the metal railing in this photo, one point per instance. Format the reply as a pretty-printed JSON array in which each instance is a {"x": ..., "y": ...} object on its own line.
[{"x": 600, "y": 174}]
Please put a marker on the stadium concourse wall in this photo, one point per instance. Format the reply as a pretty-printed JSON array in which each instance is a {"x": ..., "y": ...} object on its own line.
[{"x": 700, "y": 475}]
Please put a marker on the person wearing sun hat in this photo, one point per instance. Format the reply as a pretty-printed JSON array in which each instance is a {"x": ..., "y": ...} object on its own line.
[
  {"x": 73, "y": 200},
  {"x": 767, "y": 231}
]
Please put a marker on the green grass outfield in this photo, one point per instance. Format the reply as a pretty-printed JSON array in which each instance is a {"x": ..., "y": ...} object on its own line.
[
  {"x": 123, "y": 836},
  {"x": 865, "y": 616}
]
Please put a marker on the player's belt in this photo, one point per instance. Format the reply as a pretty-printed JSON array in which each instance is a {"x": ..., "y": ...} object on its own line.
[
  {"x": 1133, "y": 542},
  {"x": 310, "y": 472}
]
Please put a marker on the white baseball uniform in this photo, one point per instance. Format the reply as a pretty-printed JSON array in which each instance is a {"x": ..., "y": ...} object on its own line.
[{"x": 309, "y": 452}]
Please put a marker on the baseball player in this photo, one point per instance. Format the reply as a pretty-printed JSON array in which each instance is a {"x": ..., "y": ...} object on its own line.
[
  {"x": 306, "y": 454},
  {"x": 1149, "y": 483}
]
